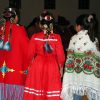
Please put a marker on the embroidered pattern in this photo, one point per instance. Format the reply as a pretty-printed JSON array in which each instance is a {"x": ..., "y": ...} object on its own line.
[
  {"x": 86, "y": 62},
  {"x": 4, "y": 69},
  {"x": 24, "y": 72}
]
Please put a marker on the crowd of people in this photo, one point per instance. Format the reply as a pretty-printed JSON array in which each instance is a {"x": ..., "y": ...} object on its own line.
[{"x": 49, "y": 60}]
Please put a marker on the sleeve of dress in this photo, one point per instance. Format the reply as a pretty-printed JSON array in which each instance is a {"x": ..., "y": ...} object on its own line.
[
  {"x": 60, "y": 51},
  {"x": 24, "y": 45},
  {"x": 22, "y": 41},
  {"x": 31, "y": 51},
  {"x": 27, "y": 46}
]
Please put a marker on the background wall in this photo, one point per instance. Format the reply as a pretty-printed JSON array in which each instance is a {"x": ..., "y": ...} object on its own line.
[
  {"x": 66, "y": 8},
  {"x": 3, "y": 4}
]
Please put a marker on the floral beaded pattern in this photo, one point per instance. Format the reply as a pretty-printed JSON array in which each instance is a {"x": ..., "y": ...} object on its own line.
[{"x": 86, "y": 62}]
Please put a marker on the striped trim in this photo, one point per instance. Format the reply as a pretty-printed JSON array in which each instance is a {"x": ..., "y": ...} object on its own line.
[
  {"x": 45, "y": 39},
  {"x": 31, "y": 89},
  {"x": 41, "y": 92}
]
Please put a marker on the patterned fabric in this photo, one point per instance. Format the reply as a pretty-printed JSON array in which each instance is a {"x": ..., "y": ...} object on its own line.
[
  {"x": 4, "y": 69},
  {"x": 86, "y": 62},
  {"x": 82, "y": 68}
]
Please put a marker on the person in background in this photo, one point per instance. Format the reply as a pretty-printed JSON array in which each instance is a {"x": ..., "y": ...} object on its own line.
[
  {"x": 33, "y": 27},
  {"x": 82, "y": 66},
  {"x": 46, "y": 59},
  {"x": 65, "y": 30},
  {"x": 13, "y": 48}
]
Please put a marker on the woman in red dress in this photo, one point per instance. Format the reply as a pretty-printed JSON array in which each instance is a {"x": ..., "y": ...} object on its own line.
[
  {"x": 46, "y": 58},
  {"x": 13, "y": 47}
]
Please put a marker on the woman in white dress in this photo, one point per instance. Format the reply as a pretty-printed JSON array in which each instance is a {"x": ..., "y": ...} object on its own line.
[{"x": 82, "y": 66}]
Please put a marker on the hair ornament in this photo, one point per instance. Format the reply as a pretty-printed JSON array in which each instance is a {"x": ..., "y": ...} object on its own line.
[
  {"x": 48, "y": 18},
  {"x": 7, "y": 14},
  {"x": 12, "y": 10},
  {"x": 45, "y": 26},
  {"x": 41, "y": 18},
  {"x": 90, "y": 17}
]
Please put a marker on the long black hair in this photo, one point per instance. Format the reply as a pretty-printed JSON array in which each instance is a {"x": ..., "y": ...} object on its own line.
[
  {"x": 88, "y": 22},
  {"x": 47, "y": 21}
]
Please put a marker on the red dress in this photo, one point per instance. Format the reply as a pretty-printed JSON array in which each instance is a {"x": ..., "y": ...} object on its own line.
[
  {"x": 43, "y": 81},
  {"x": 12, "y": 63}
]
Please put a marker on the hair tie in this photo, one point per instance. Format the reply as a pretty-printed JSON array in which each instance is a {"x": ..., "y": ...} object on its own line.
[{"x": 90, "y": 17}]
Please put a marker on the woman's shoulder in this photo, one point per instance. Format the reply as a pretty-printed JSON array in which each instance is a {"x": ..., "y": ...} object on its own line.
[
  {"x": 18, "y": 27},
  {"x": 74, "y": 37},
  {"x": 56, "y": 35},
  {"x": 37, "y": 35},
  {"x": 81, "y": 36}
]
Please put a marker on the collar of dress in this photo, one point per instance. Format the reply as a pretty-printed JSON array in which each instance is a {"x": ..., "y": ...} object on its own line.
[{"x": 82, "y": 32}]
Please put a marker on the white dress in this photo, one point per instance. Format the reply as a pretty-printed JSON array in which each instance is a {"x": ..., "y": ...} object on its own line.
[{"x": 82, "y": 68}]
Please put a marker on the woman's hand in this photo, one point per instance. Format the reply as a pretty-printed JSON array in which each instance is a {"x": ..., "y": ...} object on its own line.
[{"x": 61, "y": 71}]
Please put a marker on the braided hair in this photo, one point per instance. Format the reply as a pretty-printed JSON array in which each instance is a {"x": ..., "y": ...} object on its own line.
[
  {"x": 9, "y": 14},
  {"x": 47, "y": 21}
]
